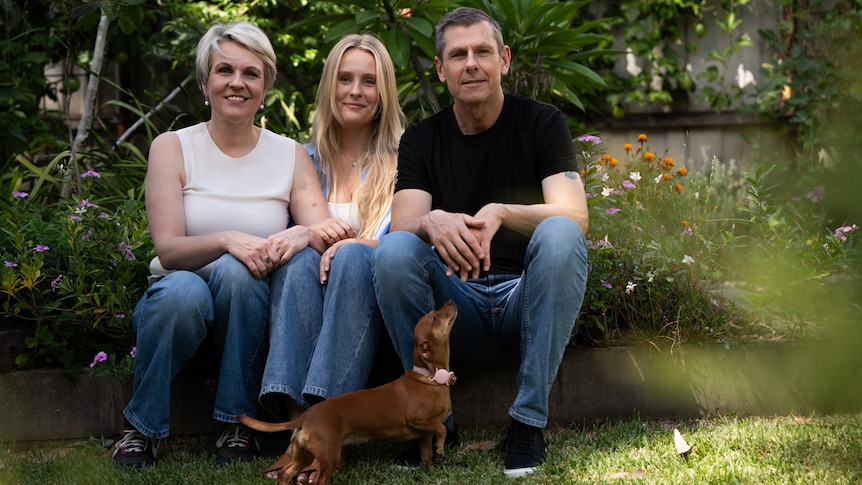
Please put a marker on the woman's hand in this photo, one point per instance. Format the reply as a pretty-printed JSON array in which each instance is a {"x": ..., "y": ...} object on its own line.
[
  {"x": 289, "y": 242},
  {"x": 333, "y": 230},
  {"x": 326, "y": 257},
  {"x": 258, "y": 254}
]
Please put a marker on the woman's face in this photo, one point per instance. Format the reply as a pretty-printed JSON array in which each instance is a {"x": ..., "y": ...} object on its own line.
[
  {"x": 235, "y": 85},
  {"x": 356, "y": 93}
]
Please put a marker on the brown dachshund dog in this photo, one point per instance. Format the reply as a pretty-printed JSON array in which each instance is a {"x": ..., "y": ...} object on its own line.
[{"x": 413, "y": 406}]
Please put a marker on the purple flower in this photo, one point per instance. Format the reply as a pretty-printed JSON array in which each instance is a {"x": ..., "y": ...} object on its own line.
[
  {"x": 20, "y": 195},
  {"x": 817, "y": 194},
  {"x": 611, "y": 211},
  {"x": 41, "y": 248},
  {"x": 100, "y": 357},
  {"x": 88, "y": 234},
  {"x": 120, "y": 316},
  {"x": 134, "y": 352},
  {"x": 124, "y": 246},
  {"x": 590, "y": 139},
  {"x": 86, "y": 203},
  {"x": 90, "y": 173},
  {"x": 629, "y": 185},
  {"x": 10, "y": 264},
  {"x": 55, "y": 282},
  {"x": 839, "y": 233},
  {"x": 75, "y": 218},
  {"x": 606, "y": 284}
]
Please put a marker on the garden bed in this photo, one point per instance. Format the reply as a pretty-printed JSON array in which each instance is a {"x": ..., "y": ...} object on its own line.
[{"x": 594, "y": 384}]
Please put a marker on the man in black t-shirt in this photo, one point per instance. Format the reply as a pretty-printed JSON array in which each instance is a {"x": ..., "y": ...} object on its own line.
[{"x": 489, "y": 211}]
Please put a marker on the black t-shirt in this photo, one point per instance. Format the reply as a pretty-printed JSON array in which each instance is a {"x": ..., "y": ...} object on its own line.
[{"x": 505, "y": 164}]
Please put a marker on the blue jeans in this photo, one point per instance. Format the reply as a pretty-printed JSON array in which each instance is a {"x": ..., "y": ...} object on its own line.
[
  {"x": 323, "y": 338},
  {"x": 174, "y": 316},
  {"x": 530, "y": 315}
]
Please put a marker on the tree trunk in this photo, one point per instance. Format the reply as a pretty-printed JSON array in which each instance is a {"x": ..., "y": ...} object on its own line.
[{"x": 89, "y": 109}]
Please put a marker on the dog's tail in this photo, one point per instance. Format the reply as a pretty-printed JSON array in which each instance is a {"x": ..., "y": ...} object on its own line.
[{"x": 268, "y": 427}]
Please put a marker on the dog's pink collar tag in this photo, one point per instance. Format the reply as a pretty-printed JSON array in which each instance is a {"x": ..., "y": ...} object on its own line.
[{"x": 444, "y": 377}]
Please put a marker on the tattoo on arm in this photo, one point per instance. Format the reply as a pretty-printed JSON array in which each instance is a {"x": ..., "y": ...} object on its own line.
[{"x": 573, "y": 175}]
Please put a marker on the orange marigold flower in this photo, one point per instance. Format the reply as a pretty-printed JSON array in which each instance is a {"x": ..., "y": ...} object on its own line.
[
  {"x": 627, "y": 147},
  {"x": 649, "y": 156},
  {"x": 682, "y": 172},
  {"x": 665, "y": 176},
  {"x": 642, "y": 138},
  {"x": 667, "y": 163},
  {"x": 678, "y": 188},
  {"x": 606, "y": 158},
  {"x": 685, "y": 223},
  {"x": 614, "y": 162}
]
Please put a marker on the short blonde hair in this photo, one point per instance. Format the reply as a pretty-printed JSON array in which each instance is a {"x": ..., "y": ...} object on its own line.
[
  {"x": 243, "y": 33},
  {"x": 380, "y": 161}
]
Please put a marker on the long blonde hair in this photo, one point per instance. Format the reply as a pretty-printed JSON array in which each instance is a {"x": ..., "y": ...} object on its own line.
[{"x": 380, "y": 159}]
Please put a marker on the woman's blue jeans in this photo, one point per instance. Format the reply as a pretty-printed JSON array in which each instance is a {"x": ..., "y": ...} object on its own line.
[
  {"x": 529, "y": 316},
  {"x": 323, "y": 338},
  {"x": 174, "y": 316}
]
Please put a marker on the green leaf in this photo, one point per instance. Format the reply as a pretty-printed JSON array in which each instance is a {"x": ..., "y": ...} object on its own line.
[
  {"x": 340, "y": 30},
  {"x": 398, "y": 44},
  {"x": 421, "y": 26}
]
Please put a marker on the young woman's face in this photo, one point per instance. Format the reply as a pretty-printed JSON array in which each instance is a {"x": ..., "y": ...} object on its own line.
[
  {"x": 356, "y": 94},
  {"x": 235, "y": 85}
]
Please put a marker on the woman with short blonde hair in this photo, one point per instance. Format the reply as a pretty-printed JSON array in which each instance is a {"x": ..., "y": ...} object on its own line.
[{"x": 229, "y": 203}]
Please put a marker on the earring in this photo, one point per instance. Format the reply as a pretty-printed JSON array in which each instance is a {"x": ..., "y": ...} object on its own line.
[
  {"x": 206, "y": 101},
  {"x": 261, "y": 106}
]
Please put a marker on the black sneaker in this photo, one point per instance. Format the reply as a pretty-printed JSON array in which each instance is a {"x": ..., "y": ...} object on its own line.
[
  {"x": 237, "y": 443},
  {"x": 525, "y": 449},
  {"x": 134, "y": 449},
  {"x": 410, "y": 456}
]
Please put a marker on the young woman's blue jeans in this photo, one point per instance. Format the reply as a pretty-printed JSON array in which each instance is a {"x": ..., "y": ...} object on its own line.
[
  {"x": 323, "y": 338},
  {"x": 529, "y": 316},
  {"x": 174, "y": 316}
]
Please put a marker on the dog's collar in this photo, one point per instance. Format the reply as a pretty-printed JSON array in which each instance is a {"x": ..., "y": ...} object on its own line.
[{"x": 442, "y": 376}]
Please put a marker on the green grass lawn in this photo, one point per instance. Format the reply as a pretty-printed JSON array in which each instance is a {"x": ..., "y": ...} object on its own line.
[{"x": 778, "y": 450}]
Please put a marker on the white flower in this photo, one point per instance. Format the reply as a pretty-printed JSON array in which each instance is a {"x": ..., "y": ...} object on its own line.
[
  {"x": 686, "y": 259},
  {"x": 605, "y": 177},
  {"x": 635, "y": 176},
  {"x": 607, "y": 191},
  {"x": 630, "y": 287},
  {"x": 658, "y": 179},
  {"x": 650, "y": 276}
]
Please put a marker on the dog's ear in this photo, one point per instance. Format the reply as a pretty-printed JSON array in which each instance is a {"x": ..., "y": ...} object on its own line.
[{"x": 425, "y": 347}]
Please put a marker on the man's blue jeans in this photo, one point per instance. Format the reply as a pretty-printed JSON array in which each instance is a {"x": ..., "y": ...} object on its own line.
[
  {"x": 529, "y": 316},
  {"x": 174, "y": 316}
]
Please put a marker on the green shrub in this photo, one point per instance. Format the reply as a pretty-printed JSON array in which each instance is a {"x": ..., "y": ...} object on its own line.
[
  {"x": 72, "y": 272},
  {"x": 663, "y": 242}
]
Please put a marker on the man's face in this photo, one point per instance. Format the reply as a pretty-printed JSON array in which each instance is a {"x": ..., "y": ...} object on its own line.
[{"x": 471, "y": 64}]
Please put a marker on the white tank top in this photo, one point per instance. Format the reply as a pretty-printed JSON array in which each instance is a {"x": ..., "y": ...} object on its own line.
[
  {"x": 347, "y": 212},
  {"x": 250, "y": 194}
]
